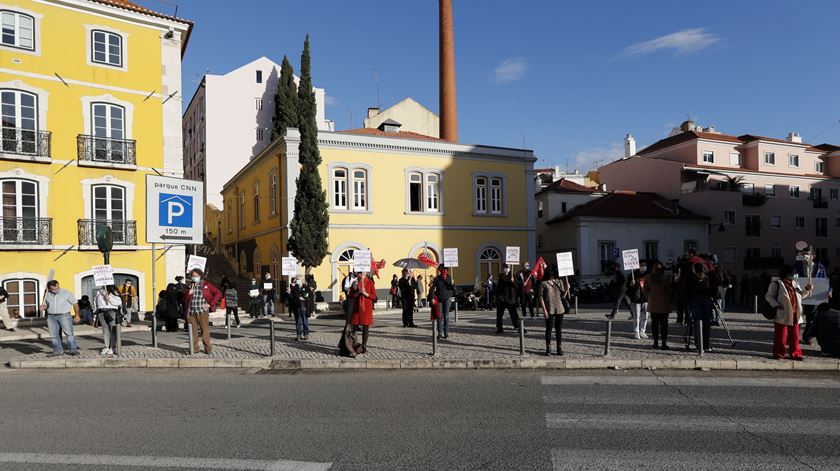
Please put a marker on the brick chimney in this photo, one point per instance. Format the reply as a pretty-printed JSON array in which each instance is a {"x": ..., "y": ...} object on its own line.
[{"x": 448, "y": 109}]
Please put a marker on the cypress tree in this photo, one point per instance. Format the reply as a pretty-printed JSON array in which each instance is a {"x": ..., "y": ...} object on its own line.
[
  {"x": 285, "y": 101},
  {"x": 308, "y": 239}
]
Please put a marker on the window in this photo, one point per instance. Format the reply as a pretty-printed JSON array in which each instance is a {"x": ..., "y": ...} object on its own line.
[
  {"x": 272, "y": 197},
  {"x": 689, "y": 244},
  {"x": 815, "y": 194},
  {"x": 563, "y": 207},
  {"x": 753, "y": 253},
  {"x": 424, "y": 192},
  {"x": 708, "y": 157},
  {"x": 260, "y": 134},
  {"x": 230, "y": 219},
  {"x": 728, "y": 217},
  {"x": 20, "y": 211},
  {"x": 605, "y": 252},
  {"x": 834, "y": 193},
  {"x": 735, "y": 159},
  {"x": 799, "y": 222},
  {"x": 540, "y": 210},
  {"x": 340, "y": 188},
  {"x": 241, "y": 214},
  {"x": 794, "y": 192},
  {"x": 775, "y": 222},
  {"x": 753, "y": 223},
  {"x": 821, "y": 225},
  {"x": 748, "y": 188},
  {"x": 821, "y": 254},
  {"x": 359, "y": 189},
  {"x": 770, "y": 191},
  {"x": 720, "y": 185},
  {"x": 651, "y": 250},
  {"x": 480, "y": 195},
  {"x": 108, "y": 132},
  {"x": 258, "y": 103},
  {"x": 257, "y": 202},
  {"x": 819, "y": 166},
  {"x": 23, "y": 297},
  {"x": 496, "y": 195},
  {"x": 107, "y": 48},
  {"x": 109, "y": 205},
  {"x": 18, "y": 30},
  {"x": 490, "y": 263},
  {"x": 776, "y": 252},
  {"x": 415, "y": 192},
  {"x": 259, "y": 76},
  {"x": 729, "y": 254},
  {"x": 793, "y": 160},
  {"x": 491, "y": 188},
  {"x": 276, "y": 271},
  {"x": 770, "y": 158},
  {"x": 432, "y": 193},
  {"x": 19, "y": 112}
]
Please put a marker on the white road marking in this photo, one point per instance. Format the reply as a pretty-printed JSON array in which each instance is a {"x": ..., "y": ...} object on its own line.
[
  {"x": 705, "y": 423},
  {"x": 557, "y": 396},
  {"x": 163, "y": 462},
  {"x": 577, "y": 459},
  {"x": 689, "y": 381}
]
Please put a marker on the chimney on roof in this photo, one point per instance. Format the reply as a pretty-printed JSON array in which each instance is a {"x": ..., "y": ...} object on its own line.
[
  {"x": 629, "y": 145},
  {"x": 602, "y": 187},
  {"x": 711, "y": 130},
  {"x": 373, "y": 112},
  {"x": 794, "y": 137},
  {"x": 389, "y": 125},
  {"x": 448, "y": 110}
]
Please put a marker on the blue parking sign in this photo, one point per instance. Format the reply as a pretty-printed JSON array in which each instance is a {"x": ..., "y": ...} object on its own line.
[{"x": 175, "y": 210}]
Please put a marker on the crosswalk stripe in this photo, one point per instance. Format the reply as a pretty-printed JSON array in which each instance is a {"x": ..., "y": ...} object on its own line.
[
  {"x": 688, "y": 381},
  {"x": 704, "y": 423},
  {"x": 600, "y": 459},
  {"x": 162, "y": 462},
  {"x": 558, "y": 397}
]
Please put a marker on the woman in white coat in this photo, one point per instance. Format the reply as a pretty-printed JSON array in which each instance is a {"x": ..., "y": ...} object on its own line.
[
  {"x": 786, "y": 296},
  {"x": 107, "y": 305}
]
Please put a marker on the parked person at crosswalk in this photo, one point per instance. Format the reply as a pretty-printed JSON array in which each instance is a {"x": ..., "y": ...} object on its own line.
[
  {"x": 657, "y": 289},
  {"x": 638, "y": 301},
  {"x": 786, "y": 296},
  {"x": 552, "y": 292}
]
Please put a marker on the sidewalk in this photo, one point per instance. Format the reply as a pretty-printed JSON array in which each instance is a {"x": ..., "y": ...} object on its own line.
[{"x": 472, "y": 344}]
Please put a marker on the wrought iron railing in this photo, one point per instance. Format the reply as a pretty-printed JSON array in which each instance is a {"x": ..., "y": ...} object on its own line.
[
  {"x": 106, "y": 150},
  {"x": 25, "y": 142},
  {"x": 26, "y": 231},
  {"x": 122, "y": 232}
]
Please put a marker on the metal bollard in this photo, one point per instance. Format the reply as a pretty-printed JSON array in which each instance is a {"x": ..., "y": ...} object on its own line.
[
  {"x": 522, "y": 335},
  {"x": 154, "y": 331},
  {"x": 699, "y": 335},
  {"x": 227, "y": 323},
  {"x": 755, "y": 304},
  {"x": 576, "y": 305},
  {"x": 434, "y": 338},
  {"x": 456, "y": 311},
  {"x": 609, "y": 335},
  {"x": 190, "y": 338},
  {"x": 271, "y": 335},
  {"x": 118, "y": 350}
]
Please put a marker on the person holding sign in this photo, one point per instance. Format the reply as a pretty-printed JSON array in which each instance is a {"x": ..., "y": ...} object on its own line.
[
  {"x": 200, "y": 300},
  {"x": 507, "y": 296},
  {"x": 363, "y": 294},
  {"x": 442, "y": 289},
  {"x": 268, "y": 295},
  {"x": 552, "y": 292},
  {"x": 786, "y": 296},
  {"x": 657, "y": 288},
  {"x": 638, "y": 301},
  {"x": 107, "y": 304}
]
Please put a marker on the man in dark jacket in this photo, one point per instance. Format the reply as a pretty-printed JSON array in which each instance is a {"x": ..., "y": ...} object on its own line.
[
  {"x": 442, "y": 289},
  {"x": 826, "y": 328},
  {"x": 407, "y": 290},
  {"x": 507, "y": 296},
  {"x": 620, "y": 284},
  {"x": 525, "y": 281}
]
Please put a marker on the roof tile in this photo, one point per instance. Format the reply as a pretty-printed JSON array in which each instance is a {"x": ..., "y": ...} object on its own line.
[{"x": 628, "y": 204}]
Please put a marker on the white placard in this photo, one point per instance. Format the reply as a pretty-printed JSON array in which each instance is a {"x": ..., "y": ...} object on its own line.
[
  {"x": 103, "y": 275},
  {"x": 196, "y": 262},
  {"x": 290, "y": 266},
  {"x": 174, "y": 210},
  {"x": 450, "y": 258},
  {"x": 254, "y": 293},
  {"x": 361, "y": 261},
  {"x": 565, "y": 264},
  {"x": 631, "y": 259},
  {"x": 820, "y": 293},
  {"x": 268, "y": 286},
  {"x": 512, "y": 255}
]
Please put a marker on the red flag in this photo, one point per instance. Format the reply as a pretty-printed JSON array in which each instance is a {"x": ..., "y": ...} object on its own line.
[
  {"x": 539, "y": 269},
  {"x": 375, "y": 266},
  {"x": 427, "y": 260}
]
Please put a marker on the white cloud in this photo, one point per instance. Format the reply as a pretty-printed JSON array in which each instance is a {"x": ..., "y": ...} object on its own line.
[
  {"x": 680, "y": 43},
  {"x": 592, "y": 158},
  {"x": 330, "y": 100},
  {"x": 509, "y": 70}
]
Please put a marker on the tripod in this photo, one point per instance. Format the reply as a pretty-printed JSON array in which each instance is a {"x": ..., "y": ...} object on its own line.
[
  {"x": 689, "y": 326},
  {"x": 720, "y": 317}
]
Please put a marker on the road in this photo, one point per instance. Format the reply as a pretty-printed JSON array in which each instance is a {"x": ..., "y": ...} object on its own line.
[{"x": 495, "y": 420}]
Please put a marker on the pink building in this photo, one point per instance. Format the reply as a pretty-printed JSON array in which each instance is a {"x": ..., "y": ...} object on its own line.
[{"x": 762, "y": 194}]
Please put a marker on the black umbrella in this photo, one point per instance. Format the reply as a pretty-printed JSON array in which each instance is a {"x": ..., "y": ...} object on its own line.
[{"x": 410, "y": 263}]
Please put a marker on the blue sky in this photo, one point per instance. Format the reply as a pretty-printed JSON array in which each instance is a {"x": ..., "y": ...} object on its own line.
[{"x": 566, "y": 78}]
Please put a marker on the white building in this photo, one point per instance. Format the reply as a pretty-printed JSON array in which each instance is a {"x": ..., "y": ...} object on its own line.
[
  {"x": 229, "y": 120},
  {"x": 412, "y": 116},
  {"x": 595, "y": 231},
  {"x": 554, "y": 201}
]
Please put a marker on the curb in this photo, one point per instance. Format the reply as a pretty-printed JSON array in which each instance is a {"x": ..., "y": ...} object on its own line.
[{"x": 426, "y": 364}]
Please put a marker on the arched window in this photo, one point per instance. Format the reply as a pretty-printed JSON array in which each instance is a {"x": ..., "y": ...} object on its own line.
[
  {"x": 359, "y": 189},
  {"x": 275, "y": 263},
  {"x": 340, "y": 188},
  {"x": 257, "y": 264},
  {"x": 432, "y": 192},
  {"x": 424, "y": 191},
  {"x": 18, "y": 30},
  {"x": 344, "y": 264},
  {"x": 272, "y": 197},
  {"x": 490, "y": 263}
]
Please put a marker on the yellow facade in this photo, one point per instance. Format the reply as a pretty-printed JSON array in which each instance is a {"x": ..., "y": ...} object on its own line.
[
  {"x": 98, "y": 77},
  {"x": 383, "y": 219}
]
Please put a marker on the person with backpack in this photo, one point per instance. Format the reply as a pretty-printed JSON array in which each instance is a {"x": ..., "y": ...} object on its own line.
[
  {"x": 552, "y": 292},
  {"x": 701, "y": 293},
  {"x": 107, "y": 305},
  {"x": 785, "y": 295}
]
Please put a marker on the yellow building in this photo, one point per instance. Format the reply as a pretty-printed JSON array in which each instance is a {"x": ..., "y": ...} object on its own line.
[
  {"x": 396, "y": 193},
  {"x": 91, "y": 104}
]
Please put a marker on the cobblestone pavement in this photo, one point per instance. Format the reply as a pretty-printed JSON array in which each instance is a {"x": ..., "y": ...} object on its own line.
[{"x": 472, "y": 338}]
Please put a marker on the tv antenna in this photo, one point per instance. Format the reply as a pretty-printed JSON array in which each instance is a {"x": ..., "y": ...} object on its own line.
[{"x": 376, "y": 79}]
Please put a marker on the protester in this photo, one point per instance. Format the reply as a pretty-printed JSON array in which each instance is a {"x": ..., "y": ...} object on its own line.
[
  {"x": 363, "y": 294},
  {"x": 525, "y": 281},
  {"x": 86, "y": 310},
  {"x": 657, "y": 289},
  {"x": 421, "y": 291},
  {"x": 58, "y": 303},
  {"x": 4, "y": 311},
  {"x": 507, "y": 297},
  {"x": 199, "y": 301},
  {"x": 269, "y": 293},
  {"x": 638, "y": 301},
  {"x": 786, "y": 296},
  {"x": 394, "y": 292},
  {"x": 489, "y": 289},
  {"x": 255, "y": 300},
  {"x": 826, "y": 329},
  {"x": 552, "y": 292},
  {"x": 442, "y": 289},
  {"x": 346, "y": 285},
  {"x": 407, "y": 289},
  {"x": 128, "y": 293},
  {"x": 701, "y": 292},
  {"x": 107, "y": 304},
  {"x": 297, "y": 304},
  {"x": 231, "y": 303},
  {"x": 620, "y": 282},
  {"x": 172, "y": 307}
]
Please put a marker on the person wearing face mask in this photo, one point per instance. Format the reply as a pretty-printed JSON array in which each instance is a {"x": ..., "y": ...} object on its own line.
[
  {"x": 363, "y": 294},
  {"x": 199, "y": 301},
  {"x": 638, "y": 301},
  {"x": 786, "y": 296},
  {"x": 507, "y": 295},
  {"x": 407, "y": 290},
  {"x": 107, "y": 304},
  {"x": 128, "y": 293},
  {"x": 525, "y": 282},
  {"x": 443, "y": 289},
  {"x": 552, "y": 292},
  {"x": 298, "y": 297},
  {"x": 58, "y": 303},
  {"x": 254, "y": 307},
  {"x": 657, "y": 289},
  {"x": 268, "y": 294}
]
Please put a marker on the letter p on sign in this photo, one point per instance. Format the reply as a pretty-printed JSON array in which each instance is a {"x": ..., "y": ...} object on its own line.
[{"x": 175, "y": 210}]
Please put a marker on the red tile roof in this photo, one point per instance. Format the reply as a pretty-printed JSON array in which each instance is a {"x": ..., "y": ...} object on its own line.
[
  {"x": 629, "y": 204},
  {"x": 127, "y": 5},
  {"x": 396, "y": 135},
  {"x": 827, "y": 147},
  {"x": 566, "y": 186},
  {"x": 753, "y": 137},
  {"x": 685, "y": 137}
]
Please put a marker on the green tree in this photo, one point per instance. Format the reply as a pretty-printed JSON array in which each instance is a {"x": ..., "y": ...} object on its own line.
[
  {"x": 285, "y": 101},
  {"x": 308, "y": 239}
]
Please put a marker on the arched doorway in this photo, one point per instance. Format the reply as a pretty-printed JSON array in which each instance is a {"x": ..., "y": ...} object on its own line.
[
  {"x": 489, "y": 263},
  {"x": 341, "y": 261}
]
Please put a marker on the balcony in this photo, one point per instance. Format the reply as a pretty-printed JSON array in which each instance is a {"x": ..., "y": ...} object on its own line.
[
  {"x": 105, "y": 151},
  {"x": 124, "y": 233},
  {"x": 25, "y": 144},
  {"x": 26, "y": 231}
]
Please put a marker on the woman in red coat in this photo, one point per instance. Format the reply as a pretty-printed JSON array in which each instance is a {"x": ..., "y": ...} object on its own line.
[{"x": 363, "y": 294}]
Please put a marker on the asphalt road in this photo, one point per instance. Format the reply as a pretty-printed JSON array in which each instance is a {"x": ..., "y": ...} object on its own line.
[{"x": 233, "y": 419}]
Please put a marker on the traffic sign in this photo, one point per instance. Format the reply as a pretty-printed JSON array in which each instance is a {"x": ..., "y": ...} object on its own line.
[{"x": 174, "y": 210}]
